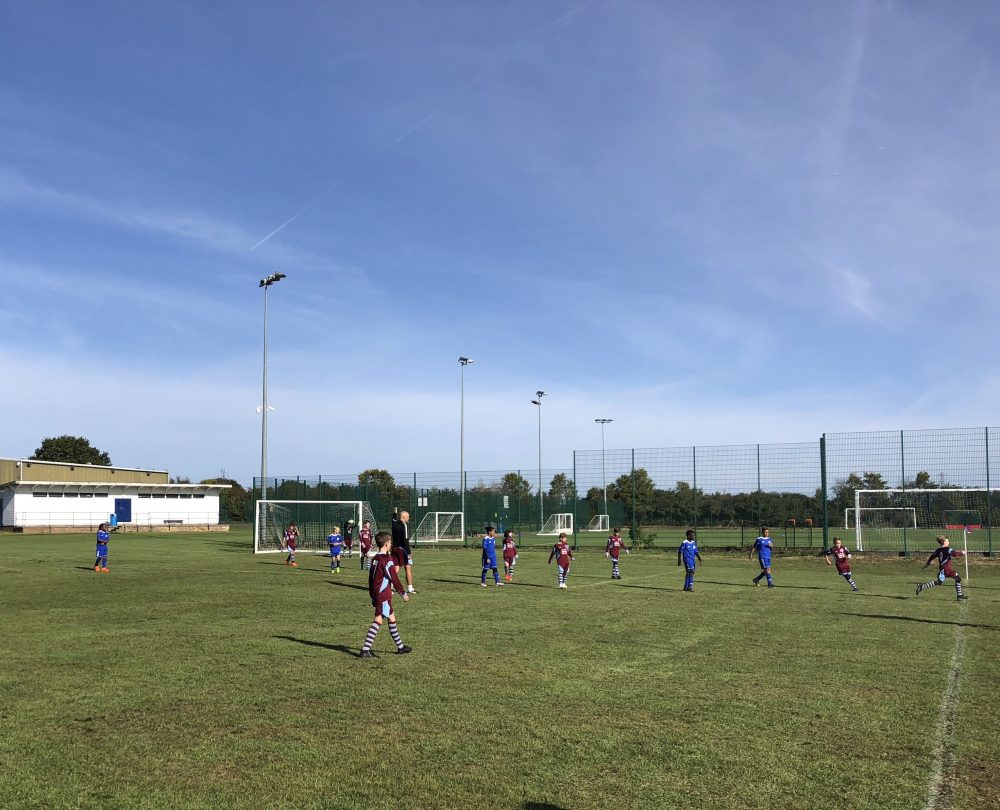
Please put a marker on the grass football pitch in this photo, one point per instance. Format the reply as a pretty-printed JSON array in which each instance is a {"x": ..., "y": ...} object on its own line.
[{"x": 195, "y": 674}]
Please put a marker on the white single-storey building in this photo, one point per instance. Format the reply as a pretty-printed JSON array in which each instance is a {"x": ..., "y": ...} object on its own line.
[{"x": 44, "y": 495}]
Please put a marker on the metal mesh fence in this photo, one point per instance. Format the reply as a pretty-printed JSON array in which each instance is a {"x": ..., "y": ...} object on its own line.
[{"x": 726, "y": 492}]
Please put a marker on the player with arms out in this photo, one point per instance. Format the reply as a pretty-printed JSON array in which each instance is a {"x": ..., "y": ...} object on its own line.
[
  {"x": 842, "y": 559},
  {"x": 687, "y": 552},
  {"x": 349, "y": 529},
  {"x": 762, "y": 548},
  {"x": 383, "y": 579},
  {"x": 563, "y": 557},
  {"x": 335, "y": 542},
  {"x": 101, "y": 563},
  {"x": 366, "y": 539},
  {"x": 290, "y": 540},
  {"x": 509, "y": 555},
  {"x": 490, "y": 556},
  {"x": 613, "y": 550},
  {"x": 944, "y": 555}
]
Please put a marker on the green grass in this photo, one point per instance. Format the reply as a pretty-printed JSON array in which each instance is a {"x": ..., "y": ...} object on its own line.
[{"x": 198, "y": 675}]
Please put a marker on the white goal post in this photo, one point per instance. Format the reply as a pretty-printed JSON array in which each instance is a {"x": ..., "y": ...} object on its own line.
[
  {"x": 440, "y": 527},
  {"x": 557, "y": 523},
  {"x": 599, "y": 523},
  {"x": 906, "y": 520},
  {"x": 314, "y": 519}
]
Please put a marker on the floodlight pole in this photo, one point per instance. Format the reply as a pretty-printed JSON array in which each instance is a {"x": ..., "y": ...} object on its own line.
[
  {"x": 274, "y": 278},
  {"x": 604, "y": 480},
  {"x": 541, "y": 504},
  {"x": 464, "y": 361}
]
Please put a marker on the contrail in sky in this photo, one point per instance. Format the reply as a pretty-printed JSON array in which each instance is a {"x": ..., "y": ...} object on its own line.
[{"x": 541, "y": 30}]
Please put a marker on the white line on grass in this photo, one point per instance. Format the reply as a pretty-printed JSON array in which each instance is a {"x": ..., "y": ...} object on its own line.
[
  {"x": 609, "y": 581},
  {"x": 939, "y": 792}
]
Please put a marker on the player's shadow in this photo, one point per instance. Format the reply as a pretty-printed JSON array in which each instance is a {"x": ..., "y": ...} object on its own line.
[
  {"x": 84, "y": 567},
  {"x": 349, "y": 585},
  {"x": 648, "y": 587},
  {"x": 299, "y": 568},
  {"x": 881, "y": 596},
  {"x": 540, "y": 806},
  {"x": 921, "y": 621},
  {"x": 762, "y": 585},
  {"x": 352, "y": 651}
]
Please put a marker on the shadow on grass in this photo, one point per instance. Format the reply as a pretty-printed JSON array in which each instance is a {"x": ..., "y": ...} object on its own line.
[
  {"x": 84, "y": 567},
  {"x": 540, "y": 806},
  {"x": 299, "y": 568},
  {"x": 241, "y": 546},
  {"x": 648, "y": 587},
  {"x": 762, "y": 585},
  {"x": 921, "y": 621},
  {"x": 349, "y": 585},
  {"x": 881, "y": 596},
  {"x": 351, "y": 651}
]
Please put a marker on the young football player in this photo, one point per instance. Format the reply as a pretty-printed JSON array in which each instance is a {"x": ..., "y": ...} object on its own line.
[
  {"x": 101, "y": 563},
  {"x": 335, "y": 542},
  {"x": 383, "y": 579},
  {"x": 509, "y": 555},
  {"x": 613, "y": 550},
  {"x": 944, "y": 555},
  {"x": 762, "y": 548},
  {"x": 290, "y": 540},
  {"x": 490, "y": 556},
  {"x": 365, "y": 538},
  {"x": 842, "y": 559},
  {"x": 687, "y": 552},
  {"x": 349, "y": 529},
  {"x": 564, "y": 557}
]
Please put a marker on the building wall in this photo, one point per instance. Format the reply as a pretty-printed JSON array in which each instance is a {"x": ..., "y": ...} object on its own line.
[{"x": 29, "y": 508}]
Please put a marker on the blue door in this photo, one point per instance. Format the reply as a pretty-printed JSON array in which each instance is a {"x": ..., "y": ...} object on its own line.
[{"x": 123, "y": 510}]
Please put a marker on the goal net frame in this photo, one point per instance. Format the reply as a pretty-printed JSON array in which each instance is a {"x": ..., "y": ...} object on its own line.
[
  {"x": 599, "y": 523},
  {"x": 439, "y": 527},
  {"x": 557, "y": 523},
  {"x": 852, "y": 511},
  {"x": 927, "y": 524},
  {"x": 272, "y": 516}
]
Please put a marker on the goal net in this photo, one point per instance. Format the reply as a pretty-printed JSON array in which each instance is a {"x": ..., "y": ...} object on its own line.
[
  {"x": 314, "y": 519},
  {"x": 599, "y": 523},
  {"x": 906, "y": 520},
  {"x": 440, "y": 527},
  {"x": 557, "y": 523}
]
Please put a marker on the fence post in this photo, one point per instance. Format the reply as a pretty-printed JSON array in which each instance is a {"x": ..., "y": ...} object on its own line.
[
  {"x": 696, "y": 501},
  {"x": 760, "y": 517},
  {"x": 989, "y": 499},
  {"x": 575, "y": 499},
  {"x": 902, "y": 483},
  {"x": 822, "y": 486},
  {"x": 635, "y": 527}
]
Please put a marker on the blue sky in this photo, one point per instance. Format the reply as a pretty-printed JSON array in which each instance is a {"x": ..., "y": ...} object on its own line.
[{"x": 712, "y": 222}]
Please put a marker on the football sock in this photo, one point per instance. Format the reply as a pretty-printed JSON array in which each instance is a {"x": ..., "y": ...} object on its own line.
[
  {"x": 370, "y": 638},
  {"x": 958, "y": 587},
  {"x": 562, "y": 576},
  {"x": 769, "y": 580},
  {"x": 394, "y": 632},
  {"x": 758, "y": 578},
  {"x": 614, "y": 568},
  {"x": 496, "y": 575}
]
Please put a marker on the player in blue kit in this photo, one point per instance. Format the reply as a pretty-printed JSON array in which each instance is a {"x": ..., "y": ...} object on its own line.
[
  {"x": 688, "y": 553},
  {"x": 762, "y": 548},
  {"x": 490, "y": 556},
  {"x": 101, "y": 563},
  {"x": 335, "y": 542}
]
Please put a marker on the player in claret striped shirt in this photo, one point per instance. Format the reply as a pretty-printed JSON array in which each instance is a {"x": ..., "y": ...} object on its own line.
[
  {"x": 509, "y": 555},
  {"x": 944, "y": 555},
  {"x": 842, "y": 559},
  {"x": 563, "y": 557},
  {"x": 687, "y": 553},
  {"x": 366, "y": 539},
  {"x": 613, "y": 550},
  {"x": 382, "y": 580}
]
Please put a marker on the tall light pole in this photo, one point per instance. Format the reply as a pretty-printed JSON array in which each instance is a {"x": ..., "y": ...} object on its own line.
[
  {"x": 274, "y": 278},
  {"x": 541, "y": 508},
  {"x": 464, "y": 361},
  {"x": 604, "y": 480}
]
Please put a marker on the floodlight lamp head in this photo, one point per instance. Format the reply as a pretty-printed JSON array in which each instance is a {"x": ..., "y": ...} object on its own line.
[
  {"x": 535, "y": 402},
  {"x": 465, "y": 361},
  {"x": 539, "y": 394},
  {"x": 271, "y": 279}
]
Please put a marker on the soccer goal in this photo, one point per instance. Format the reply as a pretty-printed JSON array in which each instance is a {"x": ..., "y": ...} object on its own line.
[
  {"x": 558, "y": 523},
  {"x": 314, "y": 519},
  {"x": 599, "y": 523},
  {"x": 440, "y": 527},
  {"x": 906, "y": 520}
]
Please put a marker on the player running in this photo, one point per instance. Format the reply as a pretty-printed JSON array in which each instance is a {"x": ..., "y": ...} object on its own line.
[
  {"x": 687, "y": 552},
  {"x": 944, "y": 555},
  {"x": 335, "y": 542},
  {"x": 509, "y": 555},
  {"x": 290, "y": 541},
  {"x": 490, "y": 556},
  {"x": 613, "y": 550},
  {"x": 366, "y": 539},
  {"x": 382, "y": 580},
  {"x": 762, "y": 548},
  {"x": 564, "y": 557},
  {"x": 842, "y": 558},
  {"x": 101, "y": 563}
]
